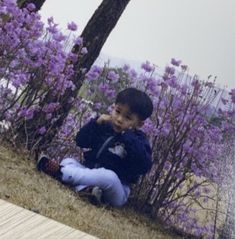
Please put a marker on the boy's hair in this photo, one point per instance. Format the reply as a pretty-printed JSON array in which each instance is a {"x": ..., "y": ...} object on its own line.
[{"x": 138, "y": 101}]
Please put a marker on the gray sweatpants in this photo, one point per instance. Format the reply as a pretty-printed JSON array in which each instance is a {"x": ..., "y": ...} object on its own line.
[{"x": 114, "y": 192}]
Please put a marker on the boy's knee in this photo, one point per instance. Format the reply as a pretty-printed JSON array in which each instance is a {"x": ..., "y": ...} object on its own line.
[
  {"x": 111, "y": 176},
  {"x": 112, "y": 184}
]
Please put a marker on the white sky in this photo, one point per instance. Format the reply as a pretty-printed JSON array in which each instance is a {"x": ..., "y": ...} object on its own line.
[{"x": 199, "y": 32}]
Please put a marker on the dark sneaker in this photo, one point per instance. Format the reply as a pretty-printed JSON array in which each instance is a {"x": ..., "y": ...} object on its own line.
[
  {"x": 93, "y": 194},
  {"x": 96, "y": 196},
  {"x": 49, "y": 166},
  {"x": 97, "y": 193}
]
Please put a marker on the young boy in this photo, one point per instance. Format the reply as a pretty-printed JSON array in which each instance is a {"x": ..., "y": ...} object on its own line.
[{"x": 118, "y": 151}]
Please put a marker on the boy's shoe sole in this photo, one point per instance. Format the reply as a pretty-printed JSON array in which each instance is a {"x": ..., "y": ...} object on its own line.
[
  {"x": 49, "y": 166},
  {"x": 93, "y": 195}
]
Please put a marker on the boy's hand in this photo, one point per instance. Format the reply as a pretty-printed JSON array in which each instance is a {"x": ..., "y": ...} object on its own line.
[{"x": 103, "y": 119}]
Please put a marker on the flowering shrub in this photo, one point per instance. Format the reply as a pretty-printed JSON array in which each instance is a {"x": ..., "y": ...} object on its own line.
[
  {"x": 33, "y": 62},
  {"x": 187, "y": 131}
]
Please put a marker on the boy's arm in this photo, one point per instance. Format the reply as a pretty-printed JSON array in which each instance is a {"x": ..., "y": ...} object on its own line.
[
  {"x": 88, "y": 135},
  {"x": 85, "y": 137},
  {"x": 138, "y": 151}
]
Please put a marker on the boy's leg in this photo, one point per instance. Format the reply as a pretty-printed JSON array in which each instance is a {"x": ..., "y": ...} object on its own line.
[
  {"x": 52, "y": 167},
  {"x": 70, "y": 171},
  {"x": 114, "y": 192},
  {"x": 71, "y": 161},
  {"x": 75, "y": 163}
]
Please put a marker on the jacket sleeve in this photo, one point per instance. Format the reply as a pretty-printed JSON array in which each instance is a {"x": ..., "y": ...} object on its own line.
[
  {"x": 139, "y": 153},
  {"x": 88, "y": 135}
]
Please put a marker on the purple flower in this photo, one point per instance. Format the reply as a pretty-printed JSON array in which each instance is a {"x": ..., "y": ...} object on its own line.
[
  {"x": 110, "y": 93},
  {"x": 196, "y": 84},
  {"x": 72, "y": 26},
  {"x": 184, "y": 89},
  {"x": 73, "y": 57},
  {"x": 163, "y": 85},
  {"x": 52, "y": 29},
  {"x": 42, "y": 130},
  {"x": 93, "y": 73},
  {"x": 205, "y": 199},
  {"x": 170, "y": 70},
  {"x": 179, "y": 175},
  {"x": 232, "y": 93},
  {"x": 126, "y": 67},
  {"x": 84, "y": 51},
  {"x": 147, "y": 67},
  {"x": 97, "y": 106},
  {"x": 26, "y": 113},
  {"x": 59, "y": 37},
  {"x": 152, "y": 85},
  {"x": 167, "y": 165},
  {"x": 173, "y": 82},
  {"x": 48, "y": 116},
  {"x": 97, "y": 69},
  {"x": 184, "y": 67},
  {"x": 31, "y": 7},
  {"x": 175, "y": 62},
  {"x": 78, "y": 41},
  {"x": 197, "y": 194},
  {"x": 103, "y": 87},
  {"x": 206, "y": 190},
  {"x": 51, "y": 107},
  {"x": 112, "y": 75},
  {"x": 132, "y": 73},
  {"x": 50, "y": 20}
]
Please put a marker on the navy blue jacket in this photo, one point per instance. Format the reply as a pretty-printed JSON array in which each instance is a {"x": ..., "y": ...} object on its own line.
[{"x": 128, "y": 154}]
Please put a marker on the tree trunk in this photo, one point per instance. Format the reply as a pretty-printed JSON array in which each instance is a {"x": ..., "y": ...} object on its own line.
[
  {"x": 94, "y": 36},
  {"x": 38, "y": 3},
  {"x": 99, "y": 27}
]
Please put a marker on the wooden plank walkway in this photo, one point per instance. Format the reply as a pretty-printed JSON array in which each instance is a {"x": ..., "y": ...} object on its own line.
[{"x": 19, "y": 223}]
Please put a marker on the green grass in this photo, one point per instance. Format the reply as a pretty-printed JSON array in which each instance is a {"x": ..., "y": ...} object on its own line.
[{"x": 22, "y": 184}]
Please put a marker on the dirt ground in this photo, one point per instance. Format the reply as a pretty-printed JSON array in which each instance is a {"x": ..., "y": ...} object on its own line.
[{"x": 22, "y": 184}]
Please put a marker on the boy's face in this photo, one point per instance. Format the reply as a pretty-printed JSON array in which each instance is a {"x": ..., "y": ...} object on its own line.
[{"x": 123, "y": 119}]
